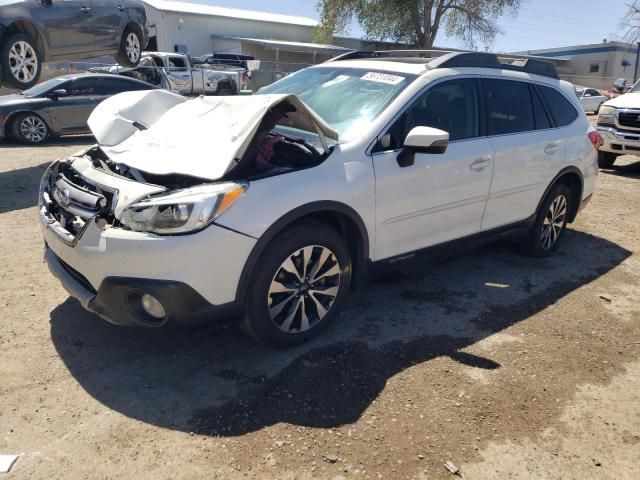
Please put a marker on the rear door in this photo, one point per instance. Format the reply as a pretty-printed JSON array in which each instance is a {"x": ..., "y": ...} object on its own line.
[
  {"x": 68, "y": 24},
  {"x": 72, "y": 111},
  {"x": 527, "y": 149},
  {"x": 441, "y": 196},
  {"x": 108, "y": 16}
]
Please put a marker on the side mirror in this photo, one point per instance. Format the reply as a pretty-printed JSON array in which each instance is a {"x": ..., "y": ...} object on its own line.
[
  {"x": 59, "y": 92},
  {"x": 423, "y": 140}
]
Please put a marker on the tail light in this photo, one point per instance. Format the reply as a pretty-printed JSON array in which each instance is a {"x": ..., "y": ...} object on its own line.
[{"x": 596, "y": 140}]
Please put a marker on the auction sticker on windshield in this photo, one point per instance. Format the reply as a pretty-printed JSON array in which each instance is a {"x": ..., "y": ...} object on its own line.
[{"x": 383, "y": 78}]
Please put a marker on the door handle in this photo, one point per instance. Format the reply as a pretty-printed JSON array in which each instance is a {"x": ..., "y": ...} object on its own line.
[
  {"x": 551, "y": 148},
  {"x": 85, "y": 9},
  {"x": 120, "y": 7},
  {"x": 480, "y": 164}
]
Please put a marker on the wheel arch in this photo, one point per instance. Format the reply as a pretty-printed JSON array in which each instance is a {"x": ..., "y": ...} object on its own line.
[
  {"x": 339, "y": 216},
  {"x": 573, "y": 178},
  {"x": 28, "y": 28},
  {"x": 8, "y": 122}
]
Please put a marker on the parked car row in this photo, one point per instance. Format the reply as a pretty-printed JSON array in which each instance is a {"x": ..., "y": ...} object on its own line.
[{"x": 33, "y": 32}]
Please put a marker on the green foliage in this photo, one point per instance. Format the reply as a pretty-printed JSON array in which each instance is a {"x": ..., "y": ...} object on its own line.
[{"x": 416, "y": 22}]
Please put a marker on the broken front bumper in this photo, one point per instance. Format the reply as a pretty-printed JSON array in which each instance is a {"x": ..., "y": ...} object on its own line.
[{"x": 108, "y": 268}]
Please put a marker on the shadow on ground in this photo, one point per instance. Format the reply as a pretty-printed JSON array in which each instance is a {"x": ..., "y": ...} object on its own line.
[
  {"x": 631, "y": 170},
  {"x": 20, "y": 188},
  {"x": 216, "y": 381},
  {"x": 51, "y": 142}
]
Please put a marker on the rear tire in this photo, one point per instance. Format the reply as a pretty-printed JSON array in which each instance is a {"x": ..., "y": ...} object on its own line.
[
  {"x": 21, "y": 61},
  {"x": 130, "y": 50},
  {"x": 298, "y": 285},
  {"x": 606, "y": 159},
  {"x": 225, "y": 90},
  {"x": 30, "y": 129},
  {"x": 551, "y": 221}
]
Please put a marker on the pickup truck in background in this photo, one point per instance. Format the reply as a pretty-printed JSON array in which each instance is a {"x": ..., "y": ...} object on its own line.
[
  {"x": 619, "y": 127},
  {"x": 174, "y": 71}
]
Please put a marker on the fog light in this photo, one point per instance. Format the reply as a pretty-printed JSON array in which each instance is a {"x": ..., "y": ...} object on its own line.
[{"x": 153, "y": 306}]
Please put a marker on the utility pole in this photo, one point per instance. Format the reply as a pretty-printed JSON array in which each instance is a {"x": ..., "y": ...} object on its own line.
[{"x": 635, "y": 72}]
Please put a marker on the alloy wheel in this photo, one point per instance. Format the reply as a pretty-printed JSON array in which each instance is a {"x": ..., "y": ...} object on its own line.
[
  {"x": 304, "y": 288},
  {"x": 553, "y": 222},
  {"x": 23, "y": 61},
  {"x": 132, "y": 47},
  {"x": 33, "y": 129}
]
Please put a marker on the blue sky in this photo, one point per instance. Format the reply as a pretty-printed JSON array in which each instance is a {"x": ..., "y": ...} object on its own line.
[{"x": 540, "y": 23}]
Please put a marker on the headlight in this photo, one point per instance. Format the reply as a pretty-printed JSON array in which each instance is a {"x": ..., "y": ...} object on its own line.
[
  {"x": 183, "y": 210},
  {"x": 606, "y": 114}
]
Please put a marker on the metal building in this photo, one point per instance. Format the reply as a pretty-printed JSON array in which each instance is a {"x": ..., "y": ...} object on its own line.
[
  {"x": 595, "y": 65},
  {"x": 197, "y": 29}
]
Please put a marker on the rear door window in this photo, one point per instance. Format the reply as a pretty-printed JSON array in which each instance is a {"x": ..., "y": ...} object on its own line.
[
  {"x": 561, "y": 109},
  {"x": 508, "y": 107},
  {"x": 113, "y": 86},
  {"x": 540, "y": 115}
]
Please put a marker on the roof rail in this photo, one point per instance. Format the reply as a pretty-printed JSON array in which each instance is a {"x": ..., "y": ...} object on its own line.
[
  {"x": 457, "y": 59},
  {"x": 359, "y": 54},
  {"x": 491, "y": 60}
]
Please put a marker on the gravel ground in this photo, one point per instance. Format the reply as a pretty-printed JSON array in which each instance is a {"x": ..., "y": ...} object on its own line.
[{"x": 504, "y": 365}]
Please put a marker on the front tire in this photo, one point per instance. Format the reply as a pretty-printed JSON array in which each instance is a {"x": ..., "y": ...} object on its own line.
[
  {"x": 21, "y": 61},
  {"x": 551, "y": 221},
  {"x": 299, "y": 284},
  {"x": 130, "y": 48},
  {"x": 30, "y": 129},
  {"x": 606, "y": 159}
]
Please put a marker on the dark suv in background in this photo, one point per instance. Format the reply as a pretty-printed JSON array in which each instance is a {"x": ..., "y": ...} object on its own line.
[{"x": 37, "y": 31}]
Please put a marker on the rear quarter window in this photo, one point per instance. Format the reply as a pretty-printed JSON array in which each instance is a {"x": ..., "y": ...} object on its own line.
[{"x": 561, "y": 110}]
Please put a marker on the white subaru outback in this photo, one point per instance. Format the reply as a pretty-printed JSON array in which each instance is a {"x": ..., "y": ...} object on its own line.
[{"x": 275, "y": 206}]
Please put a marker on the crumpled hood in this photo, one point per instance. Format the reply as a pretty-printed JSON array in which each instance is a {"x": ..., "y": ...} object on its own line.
[
  {"x": 160, "y": 132},
  {"x": 628, "y": 100}
]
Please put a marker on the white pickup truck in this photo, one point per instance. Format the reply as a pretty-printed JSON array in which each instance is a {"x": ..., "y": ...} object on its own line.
[
  {"x": 619, "y": 126},
  {"x": 173, "y": 71}
]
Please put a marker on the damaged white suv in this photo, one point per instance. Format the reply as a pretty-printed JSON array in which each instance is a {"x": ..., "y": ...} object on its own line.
[{"x": 276, "y": 205}]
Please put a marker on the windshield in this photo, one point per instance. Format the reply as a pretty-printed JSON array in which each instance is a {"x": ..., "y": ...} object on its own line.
[
  {"x": 579, "y": 92},
  {"x": 636, "y": 87},
  {"x": 348, "y": 99},
  {"x": 44, "y": 87}
]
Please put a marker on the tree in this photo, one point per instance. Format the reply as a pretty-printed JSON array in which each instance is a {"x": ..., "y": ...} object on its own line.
[
  {"x": 631, "y": 23},
  {"x": 416, "y": 22}
]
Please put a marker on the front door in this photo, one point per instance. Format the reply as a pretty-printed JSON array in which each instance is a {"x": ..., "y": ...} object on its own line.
[
  {"x": 72, "y": 111},
  {"x": 68, "y": 25},
  {"x": 440, "y": 197}
]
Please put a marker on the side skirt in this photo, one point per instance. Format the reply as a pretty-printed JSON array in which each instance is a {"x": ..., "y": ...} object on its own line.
[{"x": 454, "y": 247}]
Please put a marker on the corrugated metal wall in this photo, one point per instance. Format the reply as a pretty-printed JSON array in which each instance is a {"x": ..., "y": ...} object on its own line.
[{"x": 195, "y": 31}]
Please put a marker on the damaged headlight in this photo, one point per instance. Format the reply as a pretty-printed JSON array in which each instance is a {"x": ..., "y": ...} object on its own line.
[{"x": 183, "y": 210}]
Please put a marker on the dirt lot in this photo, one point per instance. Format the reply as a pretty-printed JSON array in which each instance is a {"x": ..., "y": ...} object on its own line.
[{"x": 510, "y": 367}]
